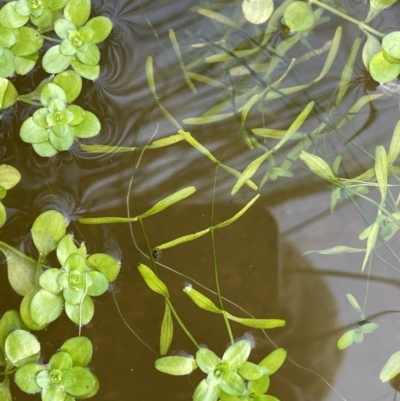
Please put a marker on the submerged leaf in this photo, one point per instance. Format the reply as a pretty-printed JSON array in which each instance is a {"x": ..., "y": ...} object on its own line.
[
  {"x": 354, "y": 303},
  {"x": 346, "y": 340},
  {"x": 153, "y": 282},
  {"x": 381, "y": 170}
]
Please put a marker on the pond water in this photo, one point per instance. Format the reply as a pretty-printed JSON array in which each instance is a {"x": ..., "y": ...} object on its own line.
[{"x": 261, "y": 261}]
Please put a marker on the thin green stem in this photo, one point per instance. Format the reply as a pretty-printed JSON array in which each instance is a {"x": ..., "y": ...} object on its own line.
[
  {"x": 361, "y": 25},
  {"x": 51, "y": 39},
  {"x": 25, "y": 100},
  {"x": 178, "y": 319},
  {"x": 8, "y": 372}
]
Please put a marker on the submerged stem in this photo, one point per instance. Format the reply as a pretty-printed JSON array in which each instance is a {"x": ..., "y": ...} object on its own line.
[{"x": 361, "y": 25}]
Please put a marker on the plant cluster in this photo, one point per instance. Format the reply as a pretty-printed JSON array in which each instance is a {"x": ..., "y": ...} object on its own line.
[
  {"x": 55, "y": 126},
  {"x": 46, "y": 292}
]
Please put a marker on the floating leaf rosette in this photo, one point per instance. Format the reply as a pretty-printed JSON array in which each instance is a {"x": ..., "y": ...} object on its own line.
[
  {"x": 56, "y": 125},
  {"x": 71, "y": 286},
  {"x": 79, "y": 42},
  {"x": 65, "y": 377}
]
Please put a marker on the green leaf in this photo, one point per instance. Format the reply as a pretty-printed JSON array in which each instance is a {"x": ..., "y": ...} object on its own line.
[
  {"x": 250, "y": 371},
  {"x": 25, "y": 64},
  {"x": 372, "y": 46},
  {"x": 25, "y": 311},
  {"x": 9, "y": 176},
  {"x": 99, "y": 284},
  {"x": 25, "y": 378},
  {"x": 204, "y": 392},
  {"x": 207, "y": 360},
  {"x": 391, "y": 44},
  {"x": 354, "y": 303},
  {"x": 22, "y": 270},
  {"x": 56, "y": 393},
  {"x": 367, "y": 328},
  {"x": 81, "y": 314},
  {"x": 381, "y": 70},
  {"x": 43, "y": 20},
  {"x": 61, "y": 360},
  {"x": 299, "y": 16},
  {"x": 260, "y": 385},
  {"x": 21, "y": 347},
  {"x": 48, "y": 280},
  {"x": 318, "y": 166},
  {"x": 91, "y": 72},
  {"x": 44, "y": 149},
  {"x": 7, "y": 63},
  {"x": 176, "y": 365},
  {"x": 152, "y": 281},
  {"x": 49, "y": 93},
  {"x": 8, "y": 36},
  {"x": 346, "y": 340},
  {"x": 169, "y": 201},
  {"x": 373, "y": 235},
  {"x": 257, "y": 11},
  {"x": 273, "y": 361},
  {"x": 231, "y": 382},
  {"x": 30, "y": 132},
  {"x": 46, "y": 307},
  {"x": 101, "y": 26},
  {"x": 67, "y": 246},
  {"x": 237, "y": 354},
  {"x": 5, "y": 393},
  {"x": 218, "y": 17},
  {"x": 3, "y": 215},
  {"x": 394, "y": 149},
  {"x": 337, "y": 250},
  {"x": 54, "y": 62},
  {"x": 70, "y": 82},
  {"x": 77, "y": 11},
  {"x": 10, "y": 321},
  {"x": 47, "y": 230},
  {"x": 167, "y": 331},
  {"x": 78, "y": 114},
  {"x": 89, "y": 57},
  {"x": 381, "y": 170},
  {"x": 63, "y": 26},
  {"x": 258, "y": 323},
  {"x": 105, "y": 264},
  {"x": 391, "y": 368},
  {"x": 8, "y": 93},
  {"x": 9, "y": 18},
  {"x": 201, "y": 300},
  {"x": 80, "y": 349},
  {"x": 61, "y": 139},
  {"x": 89, "y": 127},
  {"x": 29, "y": 41}
]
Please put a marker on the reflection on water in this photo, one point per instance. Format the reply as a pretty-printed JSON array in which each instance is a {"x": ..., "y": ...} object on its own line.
[{"x": 260, "y": 256}]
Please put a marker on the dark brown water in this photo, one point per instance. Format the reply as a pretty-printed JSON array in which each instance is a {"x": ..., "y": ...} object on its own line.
[{"x": 259, "y": 257}]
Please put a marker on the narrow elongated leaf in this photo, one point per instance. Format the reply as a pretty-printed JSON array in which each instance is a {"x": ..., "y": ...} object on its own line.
[
  {"x": 381, "y": 170},
  {"x": 169, "y": 200},
  {"x": 218, "y": 17},
  {"x": 177, "y": 51},
  {"x": 318, "y": 166},
  {"x": 201, "y": 300},
  {"x": 252, "y": 168},
  {"x": 371, "y": 242},
  {"x": 391, "y": 368},
  {"x": 354, "y": 303},
  {"x": 181, "y": 240},
  {"x": 207, "y": 119},
  {"x": 239, "y": 214},
  {"x": 167, "y": 331},
  {"x": 152, "y": 281},
  {"x": 258, "y": 323},
  {"x": 206, "y": 80},
  {"x": 394, "y": 149},
  {"x": 337, "y": 250}
]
